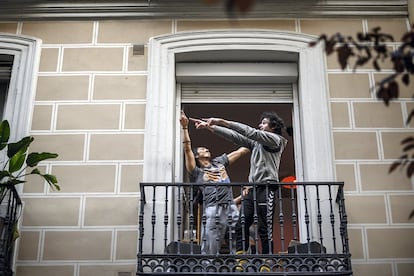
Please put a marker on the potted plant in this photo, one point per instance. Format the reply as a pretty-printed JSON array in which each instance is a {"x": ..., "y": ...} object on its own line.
[{"x": 17, "y": 163}]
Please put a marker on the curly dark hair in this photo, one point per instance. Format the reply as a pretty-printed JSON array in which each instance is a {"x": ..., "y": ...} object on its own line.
[{"x": 275, "y": 122}]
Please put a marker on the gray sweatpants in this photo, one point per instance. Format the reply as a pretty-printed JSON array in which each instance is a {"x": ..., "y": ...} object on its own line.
[{"x": 217, "y": 222}]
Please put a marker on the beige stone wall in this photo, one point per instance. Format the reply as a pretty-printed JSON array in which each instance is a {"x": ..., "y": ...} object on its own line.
[
  {"x": 90, "y": 108},
  {"x": 367, "y": 137}
]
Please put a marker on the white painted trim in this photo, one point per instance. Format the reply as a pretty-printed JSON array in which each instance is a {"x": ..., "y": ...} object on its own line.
[
  {"x": 162, "y": 112},
  {"x": 26, "y": 51},
  {"x": 161, "y": 132}
]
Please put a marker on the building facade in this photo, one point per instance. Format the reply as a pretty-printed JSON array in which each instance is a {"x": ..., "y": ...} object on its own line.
[{"x": 102, "y": 85}]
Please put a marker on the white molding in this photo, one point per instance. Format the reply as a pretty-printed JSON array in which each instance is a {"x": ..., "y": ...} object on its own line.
[
  {"x": 26, "y": 52},
  {"x": 161, "y": 131},
  {"x": 190, "y": 9},
  {"x": 161, "y": 115}
]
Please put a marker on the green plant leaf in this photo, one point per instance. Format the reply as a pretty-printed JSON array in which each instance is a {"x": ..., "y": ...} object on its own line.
[
  {"x": 4, "y": 134},
  {"x": 35, "y": 171},
  {"x": 52, "y": 180},
  {"x": 15, "y": 181},
  {"x": 35, "y": 157},
  {"x": 20, "y": 146},
  {"x": 4, "y": 174},
  {"x": 17, "y": 161}
]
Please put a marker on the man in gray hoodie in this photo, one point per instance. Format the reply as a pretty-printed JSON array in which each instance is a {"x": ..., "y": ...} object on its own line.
[{"x": 266, "y": 145}]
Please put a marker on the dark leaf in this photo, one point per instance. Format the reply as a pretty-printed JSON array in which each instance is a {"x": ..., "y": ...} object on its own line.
[
  {"x": 408, "y": 37},
  {"x": 51, "y": 179},
  {"x": 313, "y": 43},
  {"x": 408, "y": 147},
  {"x": 383, "y": 93},
  {"x": 376, "y": 29},
  {"x": 376, "y": 66},
  {"x": 344, "y": 53},
  {"x": 407, "y": 140},
  {"x": 406, "y": 79},
  {"x": 381, "y": 49},
  {"x": 35, "y": 157},
  {"x": 361, "y": 36},
  {"x": 399, "y": 66},
  {"x": 330, "y": 46},
  {"x": 410, "y": 169},
  {"x": 35, "y": 171},
  {"x": 411, "y": 214},
  {"x": 394, "y": 166},
  {"x": 4, "y": 174},
  {"x": 4, "y": 134},
  {"x": 15, "y": 181},
  {"x": 394, "y": 90},
  {"x": 17, "y": 161},
  {"x": 20, "y": 146}
]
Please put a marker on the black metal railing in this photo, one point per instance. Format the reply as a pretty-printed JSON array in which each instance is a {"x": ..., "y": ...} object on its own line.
[
  {"x": 309, "y": 232},
  {"x": 10, "y": 209}
]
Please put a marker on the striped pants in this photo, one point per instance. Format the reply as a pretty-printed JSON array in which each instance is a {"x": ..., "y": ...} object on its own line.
[{"x": 258, "y": 204}]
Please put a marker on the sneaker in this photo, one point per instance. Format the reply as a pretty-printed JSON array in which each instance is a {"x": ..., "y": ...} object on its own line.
[
  {"x": 264, "y": 268},
  {"x": 241, "y": 263}
]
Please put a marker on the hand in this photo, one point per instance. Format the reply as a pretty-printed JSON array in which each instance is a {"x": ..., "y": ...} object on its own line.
[
  {"x": 184, "y": 120},
  {"x": 214, "y": 121},
  {"x": 199, "y": 124},
  {"x": 245, "y": 191}
]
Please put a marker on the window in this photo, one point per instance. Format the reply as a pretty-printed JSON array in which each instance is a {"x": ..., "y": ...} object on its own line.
[
  {"x": 18, "y": 64},
  {"x": 312, "y": 134}
]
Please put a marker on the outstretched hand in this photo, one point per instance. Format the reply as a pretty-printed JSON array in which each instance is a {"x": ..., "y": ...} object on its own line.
[
  {"x": 213, "y": 121},
  {"x": 199, "y": 124}
]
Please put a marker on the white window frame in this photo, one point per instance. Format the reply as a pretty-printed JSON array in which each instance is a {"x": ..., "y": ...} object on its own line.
[
  {"x": 18, "y": 107},
  {"x": 162, "y": 133}
]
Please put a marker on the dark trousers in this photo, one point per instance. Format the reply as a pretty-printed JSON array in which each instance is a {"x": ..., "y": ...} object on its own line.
[{"x": 262, "y": 208}]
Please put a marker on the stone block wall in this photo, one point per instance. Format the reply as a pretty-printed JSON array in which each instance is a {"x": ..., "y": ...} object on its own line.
[{"x": 90, "y": 108}]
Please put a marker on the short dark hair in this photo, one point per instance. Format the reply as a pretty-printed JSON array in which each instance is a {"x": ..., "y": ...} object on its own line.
[
  {"x": 195, "y": 152},
  {"x": 275, "y": 122}
]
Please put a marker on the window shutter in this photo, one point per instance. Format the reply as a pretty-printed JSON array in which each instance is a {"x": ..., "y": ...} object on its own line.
[{"x": 227, "y": 92}]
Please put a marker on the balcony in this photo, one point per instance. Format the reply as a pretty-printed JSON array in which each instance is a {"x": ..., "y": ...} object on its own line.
[
  {"x": 10, "y": 209},
  {"x": 309, "y": 232}
]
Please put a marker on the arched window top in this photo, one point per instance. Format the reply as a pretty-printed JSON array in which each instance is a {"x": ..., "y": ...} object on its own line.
[{"x": 162, "y": 99}]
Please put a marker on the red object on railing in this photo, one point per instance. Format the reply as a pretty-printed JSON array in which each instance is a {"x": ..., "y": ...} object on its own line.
[{"x": 289, "y": 179}]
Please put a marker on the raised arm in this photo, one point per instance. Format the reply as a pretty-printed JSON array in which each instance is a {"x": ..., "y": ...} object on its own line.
[
  {"x": 221, "y": 128},
  {"x": 190, "y": 162},
  {"x": 265, "y": 138},
  {"x": 235, "y": 155}
]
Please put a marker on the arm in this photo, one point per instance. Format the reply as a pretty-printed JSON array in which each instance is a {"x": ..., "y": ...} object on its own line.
[
  {"x": 235, "y": 155},
  {"x": 221, "y": 130},
  {"x": 266, "y": 138},
  {"x": 238, "y": 199},
  {"x": 190, "y": 162}
]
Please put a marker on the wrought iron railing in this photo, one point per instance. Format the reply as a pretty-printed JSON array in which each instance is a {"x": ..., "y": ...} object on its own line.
[
  {"x": 309, "y": 232},
  {"x": 10, "y": 209}
]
